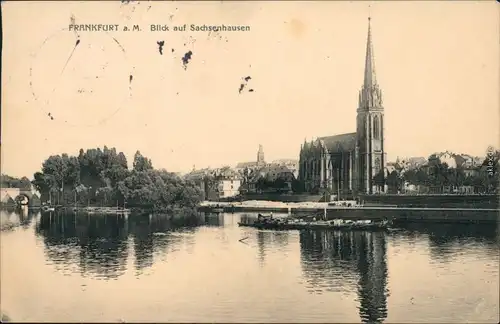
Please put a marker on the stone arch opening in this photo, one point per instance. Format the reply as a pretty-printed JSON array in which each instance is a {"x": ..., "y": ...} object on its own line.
[{"x": 22, "y": 199}]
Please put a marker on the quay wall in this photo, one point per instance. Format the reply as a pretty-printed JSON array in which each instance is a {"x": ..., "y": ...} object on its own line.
[
  {"x": 398, "y": 214},
  {"x": 433, "y": 201},
  {"x": 419, "y": 215},
  {"x": 282, "y": 197}
]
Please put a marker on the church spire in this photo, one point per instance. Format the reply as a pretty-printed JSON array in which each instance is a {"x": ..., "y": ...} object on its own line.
[{"x": 370, "y": 77}]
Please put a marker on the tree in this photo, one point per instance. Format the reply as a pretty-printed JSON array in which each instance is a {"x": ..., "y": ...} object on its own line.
[
  {"x": 101, "y": 177},
  {"x": 280, "y": 184},
  {"x": 7, "y": 181},
  {"x": 25, "y": 183},
  {"x": 393, "y": 181},
  {"x": 141, "y": 163},
  {"x": 40, "y": 182},
  {"x": 298, "y": 186},
  {"x": 262, "y": 184},
  {"x": 379, "y": 179}
]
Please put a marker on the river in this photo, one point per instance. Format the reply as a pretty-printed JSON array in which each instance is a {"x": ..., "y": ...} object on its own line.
[{"x": 96, "y": 268}]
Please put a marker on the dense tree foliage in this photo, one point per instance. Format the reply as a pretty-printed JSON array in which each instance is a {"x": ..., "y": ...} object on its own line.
[
  {"x": 102, "y": 178},
  {"x": 7, "y": 181},
  {"x": 437, "y": 176},
  {"x": 278, "y": 185}
]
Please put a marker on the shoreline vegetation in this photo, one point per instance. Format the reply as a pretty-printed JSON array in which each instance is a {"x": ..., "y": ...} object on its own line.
[{"x": 101, "y": 178}]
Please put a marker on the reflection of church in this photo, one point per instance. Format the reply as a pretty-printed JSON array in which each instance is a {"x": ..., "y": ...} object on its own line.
[
  {"x": 347, "y": 163},
  {"x": 334, "y": 260}
]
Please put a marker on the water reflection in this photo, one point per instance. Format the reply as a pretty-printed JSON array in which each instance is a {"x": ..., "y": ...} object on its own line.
[
  {"x": 94, "y": 245},
  {"x": 12, "y": 218},
  {"x": 214, "y": 219},
  {"x": 339, "y": 261},
  {"x": 98, "y": 245},
  {"x": 448, "y": 241},
  {"x": 276, "y": 241},
  {"x": 309, "y": 276}
]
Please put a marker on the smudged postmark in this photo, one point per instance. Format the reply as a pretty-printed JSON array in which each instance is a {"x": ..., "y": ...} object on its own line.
[{"x": 79, "y": 94}]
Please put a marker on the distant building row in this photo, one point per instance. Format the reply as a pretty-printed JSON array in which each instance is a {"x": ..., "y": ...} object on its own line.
[{"x": 257, "y": 176}]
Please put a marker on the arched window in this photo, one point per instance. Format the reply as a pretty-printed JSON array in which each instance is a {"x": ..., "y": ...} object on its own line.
[
  {"x": 376, "y": 128},
  {"x": 377, "y": 164}
]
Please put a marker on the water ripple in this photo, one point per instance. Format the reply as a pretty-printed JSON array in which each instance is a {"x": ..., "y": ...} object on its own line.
[{"x": 151, "y": 269}]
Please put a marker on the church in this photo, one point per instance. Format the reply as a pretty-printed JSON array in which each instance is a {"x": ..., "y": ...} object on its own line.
[{"x": 346, "y": 164}]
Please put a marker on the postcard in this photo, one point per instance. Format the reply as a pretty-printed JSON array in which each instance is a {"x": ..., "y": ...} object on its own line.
[{"x": 250, "y": 161}]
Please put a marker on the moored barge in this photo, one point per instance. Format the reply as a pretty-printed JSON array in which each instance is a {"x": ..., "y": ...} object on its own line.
[{"x": 269, "y": 223}]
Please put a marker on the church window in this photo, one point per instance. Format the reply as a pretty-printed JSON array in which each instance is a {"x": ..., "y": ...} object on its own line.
[{"x": 376, "y": 128}]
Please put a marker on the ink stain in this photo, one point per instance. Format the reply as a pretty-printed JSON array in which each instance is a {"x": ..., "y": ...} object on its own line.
[
  {"x": 244, "y": 84},
  {"x": 173, "y": 50},
  {"x": 50, "y": 115},
  {"x": 160, "y": 46},
  {"x": 186, "y": 58}
]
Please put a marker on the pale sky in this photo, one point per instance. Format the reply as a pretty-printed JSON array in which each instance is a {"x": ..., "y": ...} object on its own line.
[{"x": 437, "y": 64}]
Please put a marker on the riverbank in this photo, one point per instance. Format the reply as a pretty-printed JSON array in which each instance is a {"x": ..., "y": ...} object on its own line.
[
  {"x": 398, "y": 214},
  {"x": 400, "y": 200}
]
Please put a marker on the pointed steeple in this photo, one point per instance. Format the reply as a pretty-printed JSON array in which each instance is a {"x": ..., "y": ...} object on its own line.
[
  {"x": 370, "y": 95},
  {"x": 370, "y": 76}
]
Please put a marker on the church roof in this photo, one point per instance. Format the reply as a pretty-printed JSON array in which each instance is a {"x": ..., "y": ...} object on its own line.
[
  {"x": 242, "y": 165},
  {"x": 340, "y": 143}
]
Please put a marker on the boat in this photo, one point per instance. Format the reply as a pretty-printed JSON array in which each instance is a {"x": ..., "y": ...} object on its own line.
[{"x": 299, "y": 224}]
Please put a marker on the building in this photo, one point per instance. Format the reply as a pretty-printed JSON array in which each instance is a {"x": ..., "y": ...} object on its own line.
[
  {"x": 347, "y": 163},
  {"x": 291, "y": 164},
  {"x": 217, "y": 183},
  {"x": 444, "y": 157},
  {"x": 478, "y": 161},
  {"x": 411, "y": 163},
  {"x": 255, "y": 164},
  {"x": 228, "y": 182}
]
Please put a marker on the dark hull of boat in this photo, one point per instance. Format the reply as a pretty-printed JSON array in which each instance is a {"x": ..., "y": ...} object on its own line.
[{"x": 350, "y": 227}]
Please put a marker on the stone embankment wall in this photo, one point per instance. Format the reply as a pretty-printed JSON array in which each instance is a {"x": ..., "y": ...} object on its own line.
[
  {"x": 282, "y": 197},
  {"x": 433, "y": 201}
]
